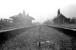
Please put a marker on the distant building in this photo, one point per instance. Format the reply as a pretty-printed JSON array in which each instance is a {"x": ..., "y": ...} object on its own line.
[
  {"x": 22, "y": 19},
  {"x": 60, "y": 18}
]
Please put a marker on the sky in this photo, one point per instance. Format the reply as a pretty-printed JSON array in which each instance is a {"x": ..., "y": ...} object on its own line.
[{"x": 41, "y": 10}]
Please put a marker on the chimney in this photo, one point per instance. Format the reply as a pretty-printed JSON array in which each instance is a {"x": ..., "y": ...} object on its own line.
[{"x": 58, "y": 12}]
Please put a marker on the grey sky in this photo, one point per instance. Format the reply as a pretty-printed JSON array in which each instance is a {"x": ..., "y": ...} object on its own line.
[
  {"x": 70, "y": 10},
  {"x": 39, "y": 9}
]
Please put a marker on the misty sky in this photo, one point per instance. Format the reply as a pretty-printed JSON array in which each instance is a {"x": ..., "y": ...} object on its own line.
[{"x": 39, "y": 9}]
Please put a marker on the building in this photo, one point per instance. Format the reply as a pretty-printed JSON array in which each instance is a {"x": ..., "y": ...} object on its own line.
[
  {"x": 22, "y": 19},
  {"x": 60, "y": 18}
]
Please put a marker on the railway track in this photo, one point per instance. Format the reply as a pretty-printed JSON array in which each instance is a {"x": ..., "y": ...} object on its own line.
[{"x": 43, "y": 35}]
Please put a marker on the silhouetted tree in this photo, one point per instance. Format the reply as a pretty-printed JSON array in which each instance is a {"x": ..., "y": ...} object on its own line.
[{"x": 48, "y": 22}]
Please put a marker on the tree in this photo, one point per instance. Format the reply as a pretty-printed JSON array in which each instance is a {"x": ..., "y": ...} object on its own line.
[{"x": 48, "y": 22}]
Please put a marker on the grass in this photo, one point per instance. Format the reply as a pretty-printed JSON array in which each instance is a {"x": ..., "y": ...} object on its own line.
[
  {"x": 58, "y": 41},
  {"x": 19, "y": 44}
]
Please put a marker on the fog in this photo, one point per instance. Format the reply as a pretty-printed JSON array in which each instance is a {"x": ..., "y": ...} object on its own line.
[{"x": 41, "y": 10}]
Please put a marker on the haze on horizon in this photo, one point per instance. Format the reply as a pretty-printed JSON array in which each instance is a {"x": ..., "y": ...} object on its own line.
[{"x": 41, "y": 10}]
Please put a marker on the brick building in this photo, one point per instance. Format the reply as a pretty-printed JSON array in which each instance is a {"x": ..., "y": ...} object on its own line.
[{"x": 60, "y": 18}]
